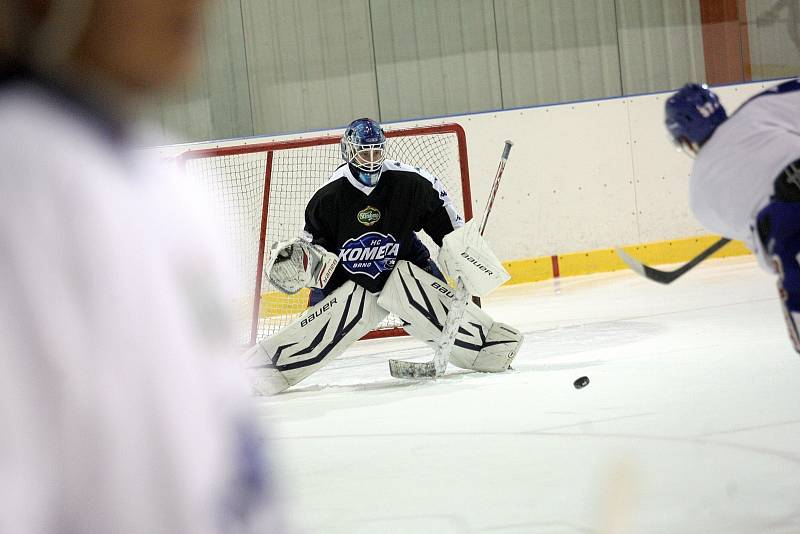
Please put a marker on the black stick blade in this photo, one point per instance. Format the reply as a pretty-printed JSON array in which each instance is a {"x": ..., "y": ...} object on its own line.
[{"x": 666, "y": 277}]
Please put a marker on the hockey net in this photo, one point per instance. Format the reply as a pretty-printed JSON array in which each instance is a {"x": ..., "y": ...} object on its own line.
[{"x": 261, "y": 191}]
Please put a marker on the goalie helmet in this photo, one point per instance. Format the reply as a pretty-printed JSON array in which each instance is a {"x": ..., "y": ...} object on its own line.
[
  {"x": 691, "y": 116},
  {"x": 362, "y": 147}
]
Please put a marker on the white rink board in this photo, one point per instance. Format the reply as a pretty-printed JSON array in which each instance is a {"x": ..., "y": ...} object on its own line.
[
  {"x": 662, "y": 175},
  {"x": 581, "y": 176},
  {"x": 551, "y": 198},
  {"x": 634, "y": 181}
]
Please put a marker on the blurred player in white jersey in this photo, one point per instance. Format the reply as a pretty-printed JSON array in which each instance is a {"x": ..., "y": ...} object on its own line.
[
  {"x": 745, "y": 181},
  {"x": 119, "y": 411}
]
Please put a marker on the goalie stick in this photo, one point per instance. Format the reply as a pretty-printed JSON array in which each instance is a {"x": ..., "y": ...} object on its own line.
[
  {"x": 436, "y": 367},
  {"x": 667, "y": 277}
]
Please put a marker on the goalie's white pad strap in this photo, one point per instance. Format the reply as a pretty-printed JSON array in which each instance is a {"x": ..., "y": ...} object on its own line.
[
  {"x": 466, "y": 254},
  {"x": 422, "y": 301},
  {"x": 314, "y": 339},
  {"x": 295, "y": 264}
]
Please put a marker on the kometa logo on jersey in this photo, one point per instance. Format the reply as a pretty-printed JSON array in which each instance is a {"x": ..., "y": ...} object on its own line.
[{"x": 369, "y": 254}]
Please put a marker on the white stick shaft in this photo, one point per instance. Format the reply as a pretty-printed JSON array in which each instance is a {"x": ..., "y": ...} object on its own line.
[
  {"x": 450, "y": 329},
  {"x": 459, "y": 302},
  {"x": 495, "y": 184}
]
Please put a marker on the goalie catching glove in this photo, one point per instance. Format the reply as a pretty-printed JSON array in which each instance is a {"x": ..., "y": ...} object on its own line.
[
  {"x": 293, "y": 265},
  {"x": 466, "y": 255}
]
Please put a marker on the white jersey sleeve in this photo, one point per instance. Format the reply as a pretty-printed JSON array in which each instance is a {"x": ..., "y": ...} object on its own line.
[
  {"x": 732, "y": 177},
  {"x": 117, "y": 411}
]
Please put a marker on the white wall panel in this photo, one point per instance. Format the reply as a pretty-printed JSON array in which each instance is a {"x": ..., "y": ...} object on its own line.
[
  {"x": 310, "y": 63},
  {"x": 568, "y": 183},
  {"x": 774, "y": 34},
  {"x": 215, "y": 102},
  {"x": 273, "y": 66},
  {"x": 435, "y": 57},
  {"x": 661, "y": 174},
  {"x": 661, "y": 45},
  {"x": 557, "y": 50},
  {"x": 226, "y": 65}
]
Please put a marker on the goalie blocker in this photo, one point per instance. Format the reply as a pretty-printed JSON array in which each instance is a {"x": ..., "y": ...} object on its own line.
[
  {"x": 324, "y": 331},
  {"x": 466, "y": 255}
]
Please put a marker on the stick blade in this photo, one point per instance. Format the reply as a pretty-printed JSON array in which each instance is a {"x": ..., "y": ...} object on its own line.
[
  {"x": 630, "y": 261},
  {"x": 412, "y": 370},
  {"x": 662, "y": 277}
]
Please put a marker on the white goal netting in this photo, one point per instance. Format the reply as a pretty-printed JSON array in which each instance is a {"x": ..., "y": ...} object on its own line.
[{"x": 271, "y": 183}]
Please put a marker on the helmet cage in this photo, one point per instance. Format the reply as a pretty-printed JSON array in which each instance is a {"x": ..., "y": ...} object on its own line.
[
  {"x": 363, "y": 146},
  {"x": 368, "y": 158}
]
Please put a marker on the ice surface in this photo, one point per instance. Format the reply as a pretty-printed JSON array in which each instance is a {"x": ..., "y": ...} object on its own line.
[{"x": 690, "y": 423}]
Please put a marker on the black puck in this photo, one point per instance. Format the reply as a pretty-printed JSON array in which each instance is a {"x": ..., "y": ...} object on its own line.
[{"x": 581, "y": 382}]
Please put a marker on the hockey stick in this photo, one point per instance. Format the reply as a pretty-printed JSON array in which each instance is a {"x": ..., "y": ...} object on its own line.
[
  {"x": 667, "y": 277},
  {"x": 436, "y": 367}
]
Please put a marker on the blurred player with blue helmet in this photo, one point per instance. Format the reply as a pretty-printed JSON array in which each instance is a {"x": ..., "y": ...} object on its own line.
[
  {"x": 692, "y": 115},
  {"x": 745, "y": 181}
]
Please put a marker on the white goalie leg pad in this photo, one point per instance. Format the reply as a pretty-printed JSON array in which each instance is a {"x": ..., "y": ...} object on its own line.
[
  {"x": 466, "y": 254},
  {"x": 314, "y": 339},
  {"x": 422, "y": 301},
  {"x": 499, "y": 349}
]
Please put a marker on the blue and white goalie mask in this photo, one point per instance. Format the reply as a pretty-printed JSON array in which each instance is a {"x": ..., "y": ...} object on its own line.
[{"x": 363, "y": 148}]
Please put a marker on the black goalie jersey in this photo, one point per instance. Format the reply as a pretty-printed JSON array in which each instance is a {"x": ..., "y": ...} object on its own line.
[{"x": 371, "y": 228}]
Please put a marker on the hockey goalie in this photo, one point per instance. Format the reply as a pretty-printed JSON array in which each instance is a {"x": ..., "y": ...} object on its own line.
[{"x": 360, "y": 255}]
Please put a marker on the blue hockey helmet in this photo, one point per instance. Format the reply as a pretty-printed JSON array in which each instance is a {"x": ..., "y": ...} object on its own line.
[
  {"x": 363, "y": 148},
  {"x": 691, "y": 115}
]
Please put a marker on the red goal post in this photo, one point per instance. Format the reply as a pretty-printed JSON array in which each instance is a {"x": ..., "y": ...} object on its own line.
[{"x": 261, "y": 190}]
